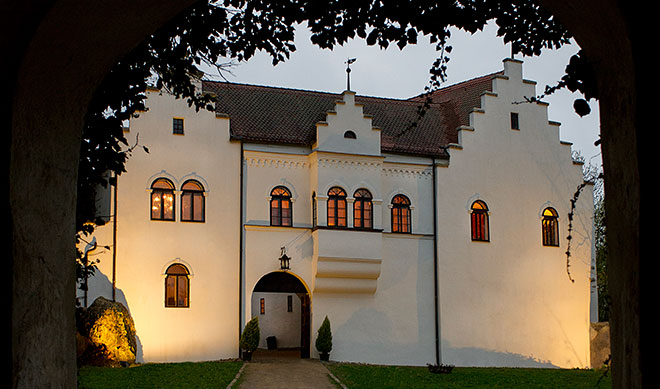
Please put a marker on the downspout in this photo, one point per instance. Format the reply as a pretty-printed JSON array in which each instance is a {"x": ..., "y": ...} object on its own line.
[
  {"x": 240, "y": 253},
  {"x": 114, "y": 238},
  {"x": 435, "y": 269}
]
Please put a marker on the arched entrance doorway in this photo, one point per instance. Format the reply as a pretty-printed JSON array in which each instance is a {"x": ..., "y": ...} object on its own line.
[{"x": 282, "y": 303}]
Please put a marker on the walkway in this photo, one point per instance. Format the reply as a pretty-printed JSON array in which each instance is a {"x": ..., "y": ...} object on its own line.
[{"x": 284, "y": 369}]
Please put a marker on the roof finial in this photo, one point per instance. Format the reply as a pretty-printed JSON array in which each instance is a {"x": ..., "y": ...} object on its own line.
[{"x": 348, "y": 72}]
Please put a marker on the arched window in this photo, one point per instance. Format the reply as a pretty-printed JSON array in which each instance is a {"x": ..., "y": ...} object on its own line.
[
  {"x": 192, "y": 202},
  {"x": 280, "y": 207},
  {"x": 162, "y": 200},
  {"x": 479, "y": 221},
  {"x": 177, "y": 286},
  {"x": 336, "y": 207},
  {"x": 362, "y": 209},
  {"x": 550, "y": 227},
  {"x": 401, "y": 214},
  {"x": 350, "y": 135}
]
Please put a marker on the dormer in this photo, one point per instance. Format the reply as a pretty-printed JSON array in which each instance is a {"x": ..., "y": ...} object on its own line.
[{"x": 347, "y": 129}]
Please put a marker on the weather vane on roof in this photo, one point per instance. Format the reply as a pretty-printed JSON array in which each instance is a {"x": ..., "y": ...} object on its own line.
[{"x": 348, "y": 72}]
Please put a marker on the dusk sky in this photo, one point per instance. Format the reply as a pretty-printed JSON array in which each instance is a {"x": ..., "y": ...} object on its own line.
[{"x": 404, "y": 73}]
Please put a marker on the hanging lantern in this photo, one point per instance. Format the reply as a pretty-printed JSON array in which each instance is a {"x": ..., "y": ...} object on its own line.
[{"x": 284, "y": 260}]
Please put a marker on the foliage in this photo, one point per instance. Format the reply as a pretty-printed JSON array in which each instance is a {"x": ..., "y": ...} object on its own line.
[
  {"x": 602, "y": 284},
  {"x": 249, "y": 340},
  {"x": 357, "y": 376},
  {"x": 324, "y": 337},
  {"x": 161, "y": 375},
  {"x": 220, "y": 32}
]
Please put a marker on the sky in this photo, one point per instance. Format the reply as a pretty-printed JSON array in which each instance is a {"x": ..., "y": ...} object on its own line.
[{"x": 396, "y": 73}]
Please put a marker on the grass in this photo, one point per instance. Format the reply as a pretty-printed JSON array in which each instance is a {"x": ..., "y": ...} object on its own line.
[
  {"x": 357, "y": 376},
  {"x": 354, "y": 376},
  {"x": 160, "y": 375}
]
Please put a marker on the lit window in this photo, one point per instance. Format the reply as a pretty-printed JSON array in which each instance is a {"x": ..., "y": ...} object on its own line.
[
  {"x": 550, "y": 227},
  {"x": 177, "y": 126},
  {"x": 262, "y": 306},
  {"x": 177, "y": 287},
  {"x": 162, "y": 200},
  {"x": 192, "y": 202},
  {"x": 362, "y": 209},
  {"x": 479, "y": 221},
  {"x": 280, "y": 207},
  {"x": 336, "y": 207},
  {"x": 401, "y": 214}
]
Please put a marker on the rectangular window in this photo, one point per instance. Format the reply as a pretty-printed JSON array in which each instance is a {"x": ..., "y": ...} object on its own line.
[
  {"x": 262, "y": 306},
  {"x": 515, "y": 124},
  {"x": 289, "y": 303},
  {"x": 177, "y": 126}
]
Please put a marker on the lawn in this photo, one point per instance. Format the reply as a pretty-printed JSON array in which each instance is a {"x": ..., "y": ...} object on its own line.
[
  {"x": 357, "y": 376},
  {"x": 160, "y": 375}
]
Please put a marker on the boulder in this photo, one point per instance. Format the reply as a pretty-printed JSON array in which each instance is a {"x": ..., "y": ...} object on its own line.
[{"x": 106, "y": 334}]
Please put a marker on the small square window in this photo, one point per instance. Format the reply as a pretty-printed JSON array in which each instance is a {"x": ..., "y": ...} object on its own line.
[
  {"x": 177, "y": 126},
  {"x": 515, "y": 123}
]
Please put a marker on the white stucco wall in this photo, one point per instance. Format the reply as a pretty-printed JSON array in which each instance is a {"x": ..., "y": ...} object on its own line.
[
  {"x": 208, "y": 329},
  {"x": 510, "y": 301}
]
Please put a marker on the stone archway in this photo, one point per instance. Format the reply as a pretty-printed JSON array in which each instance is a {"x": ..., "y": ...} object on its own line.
[{"x": 283, "y": 304}]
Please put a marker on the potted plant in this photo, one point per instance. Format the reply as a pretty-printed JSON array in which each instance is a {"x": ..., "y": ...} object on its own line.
[
  {"x": 249, "y": 340},
  {"x": 324, "y": 340}
]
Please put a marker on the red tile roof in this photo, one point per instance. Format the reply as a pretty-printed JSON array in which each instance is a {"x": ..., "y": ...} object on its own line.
[{"x": 289, "y": 116}]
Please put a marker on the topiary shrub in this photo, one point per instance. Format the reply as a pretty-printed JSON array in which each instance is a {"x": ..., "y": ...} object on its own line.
[
  {"x": 324, "y": 340},
  {"x": 249, "y": 340}
]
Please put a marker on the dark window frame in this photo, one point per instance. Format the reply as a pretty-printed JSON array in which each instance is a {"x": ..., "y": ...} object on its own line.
[
  {"x": 550, "y": 228},
  {"x": 280, "y": 199},
  {"x": 159, "y": 194},
  {"x": 188, "y": 194},
  {"x": 479, "y": 222},
  {"x": 177, "y": 126},
  {"x": 515, "y": 121},
  {"x": 363, "y": 205},
  {"x": 178, "y": 278},
  {"x": 337, "y": 201},
  {"x": 401, "y": 215}
]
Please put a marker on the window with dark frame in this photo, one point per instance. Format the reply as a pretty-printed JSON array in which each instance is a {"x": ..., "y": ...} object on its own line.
[
  {"x": 162, "y": 200},
  {"x": 280, "y": 207},
  {"x": 289, "y": 303},
  {"x": 336, "y": 207},
  {"x": 350, "y": 135},
  {"x": 401, "y": 220},
  {"x": 550, "y": 227},
  {"x": 479, "y": 221},
  {"x": 192, "y": 202},
  {"x": 177, "y": 287},
  {"x": 177, "y": 126},
  {"x": 362, "y": 209},
  {"x": 262, "y": 306},
  {"x": 314, "y": 210},
  {"x": 515, "y": 123}
]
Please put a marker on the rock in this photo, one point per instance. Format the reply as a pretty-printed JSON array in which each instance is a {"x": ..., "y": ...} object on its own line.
[{"x": 106, "y": 334}]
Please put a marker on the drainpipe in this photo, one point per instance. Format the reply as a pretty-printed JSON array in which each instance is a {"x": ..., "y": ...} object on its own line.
[
  {"x": 435, "y": 269},
  {"x": 240, "y": 253},
  {"x": 114, "y": 238}
]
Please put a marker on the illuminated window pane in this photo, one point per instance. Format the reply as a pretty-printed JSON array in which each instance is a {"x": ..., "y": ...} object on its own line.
[
  {"x": 550, "y": 227},
  {"x": 280, "y": 207},
  {"x": 192, "y": 202},
  {"x": 177, "y": 288},
  {"x": 336, "y": 207},
  {"x": 362, "y": 216},
  {"x": 479, "y": 221},
  {"x": 401, "y": 220},
  {"x": 162, "y": 200}
]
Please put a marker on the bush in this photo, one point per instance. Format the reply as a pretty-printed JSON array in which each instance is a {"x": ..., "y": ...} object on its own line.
[
  {"x": 250, "y": 337},
  {"x": 324, "y": 337}
]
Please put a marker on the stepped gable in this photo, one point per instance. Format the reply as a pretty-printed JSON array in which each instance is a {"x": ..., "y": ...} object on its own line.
[{"x": 289, "y": 116}]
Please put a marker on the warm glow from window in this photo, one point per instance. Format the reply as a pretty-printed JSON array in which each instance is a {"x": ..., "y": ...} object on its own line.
[
  {"x": 401, "y": 214},
  {"x": 280, "y": 207},
  {"x": 479, "y": 221},
  {"x": 336, "y": 207}
]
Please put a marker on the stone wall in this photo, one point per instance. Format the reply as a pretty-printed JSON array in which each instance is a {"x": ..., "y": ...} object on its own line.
[{"x": 600, "y": 344}]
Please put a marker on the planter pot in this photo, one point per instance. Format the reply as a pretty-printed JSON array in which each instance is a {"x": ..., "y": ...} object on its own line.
[
  {"x": 247, "y": 355},
  {"x": 324, "y": 356}
]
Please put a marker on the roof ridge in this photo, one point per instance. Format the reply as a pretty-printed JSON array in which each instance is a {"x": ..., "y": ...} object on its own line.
[{"x": 459, "y": 84}]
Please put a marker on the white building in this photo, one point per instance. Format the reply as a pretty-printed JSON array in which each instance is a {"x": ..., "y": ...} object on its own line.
[{"x": 443, "y": 242}]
